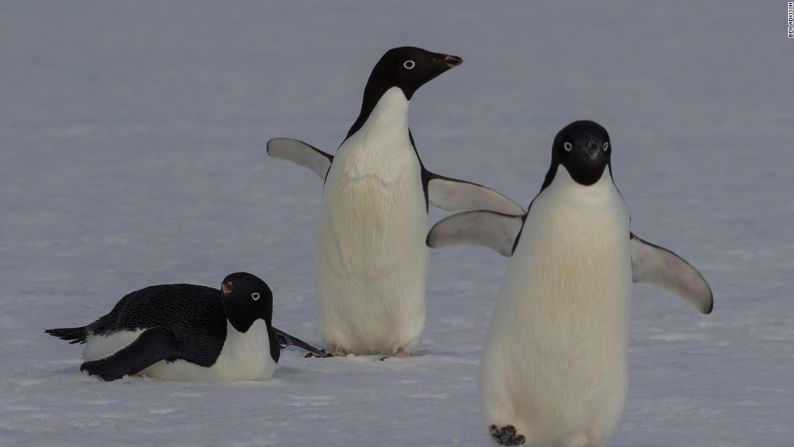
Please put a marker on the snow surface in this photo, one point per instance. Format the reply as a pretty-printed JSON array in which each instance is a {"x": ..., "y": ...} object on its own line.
[{"x": 132, "y": 153}]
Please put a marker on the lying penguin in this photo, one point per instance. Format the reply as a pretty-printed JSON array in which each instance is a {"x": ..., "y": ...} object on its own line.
[
  {"x": 187, "y": 332},
  {"x": 554, "y": 365}
]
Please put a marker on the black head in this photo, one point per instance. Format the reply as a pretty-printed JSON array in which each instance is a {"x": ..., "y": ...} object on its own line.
[
  {"x": 409, "y": 68},
  {"x": 584, "y": 149},
  {"x": 406, "y": 68},
  {"x": 246, "y": 299}
]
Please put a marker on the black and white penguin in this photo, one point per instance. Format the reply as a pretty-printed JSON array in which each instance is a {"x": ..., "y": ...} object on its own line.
[
  {"x": 186, "y": 332},
  {"x": 371, "y": 259},
  {"x": 554, "y": 365}
]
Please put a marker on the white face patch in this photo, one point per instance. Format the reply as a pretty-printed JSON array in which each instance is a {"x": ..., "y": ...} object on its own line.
[
  {"x": 255, "y": 296},
  {"x": 568, "y": 146},
  {"x": 606, "y": 146},
  {"x": 409, "y": 64}
]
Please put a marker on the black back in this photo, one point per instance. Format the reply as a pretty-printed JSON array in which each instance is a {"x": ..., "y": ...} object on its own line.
[{"x": 194, "y": 315}]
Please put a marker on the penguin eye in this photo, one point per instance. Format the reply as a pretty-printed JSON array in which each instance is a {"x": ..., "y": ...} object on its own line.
[
  {"x": 255, "y": 296},
  {"x": 568, "y": 146},
  {"x": 409, "y": 64},
  {"x": 606, "y": 146}
]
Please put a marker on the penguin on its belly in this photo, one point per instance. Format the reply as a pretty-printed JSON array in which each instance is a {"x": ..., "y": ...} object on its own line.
[
  {"x": 371, "y": 260},
  {"x": 554, "y": 364},
  {"x": 187, "y": 332}
]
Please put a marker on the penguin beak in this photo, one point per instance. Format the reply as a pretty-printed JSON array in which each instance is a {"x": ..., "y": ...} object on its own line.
[
  {"x": 227, "y": 287},
  {"x": 452, "y": 61},
  {"x": 592, "y": 149}
]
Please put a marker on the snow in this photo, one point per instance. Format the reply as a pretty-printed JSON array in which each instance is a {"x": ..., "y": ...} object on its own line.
[{"x": 132, "y": 153}]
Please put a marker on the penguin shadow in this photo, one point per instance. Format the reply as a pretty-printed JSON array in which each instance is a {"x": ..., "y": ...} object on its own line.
[{"x": 423, "y": 356}]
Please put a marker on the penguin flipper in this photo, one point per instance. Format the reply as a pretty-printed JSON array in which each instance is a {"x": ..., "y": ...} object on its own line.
[
  {"x": 73, "y": 335},
  {"x": 486, "y": 228},
  {"x": 152, "y": 346},
  {"x": 300, "y": 153},
  {"x": 653, "y": 264},
  {"x": 285, "y": 340},
  {"x": 451, "y": 194}
]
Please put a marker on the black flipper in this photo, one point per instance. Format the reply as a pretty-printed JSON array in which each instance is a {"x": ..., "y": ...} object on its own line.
[
  {"x": 285, "y": 340},
  {"x": 149, "y": 348},
  {"x": 73, "y": 335}
]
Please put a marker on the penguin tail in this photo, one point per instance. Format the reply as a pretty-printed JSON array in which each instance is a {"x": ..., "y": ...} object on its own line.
[{"x": 73, "y": 335}]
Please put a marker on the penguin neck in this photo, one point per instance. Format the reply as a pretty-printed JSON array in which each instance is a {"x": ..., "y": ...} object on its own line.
[
  {"x": 382, "y": 113},
  {"x": 573, "y": 194}
]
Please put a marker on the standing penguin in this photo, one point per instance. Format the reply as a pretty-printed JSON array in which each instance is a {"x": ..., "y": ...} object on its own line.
[
  {"x": 186, "y": 332},
  {"x": 371, "y": 259},
  {"x": 554, "y": 365}
]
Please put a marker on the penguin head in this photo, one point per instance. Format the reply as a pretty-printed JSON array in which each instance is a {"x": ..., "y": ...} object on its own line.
[
  {"x": 408, "y": 68},
  {"x": 584, "y": 149},
  {"x": 246, "y": 298}
]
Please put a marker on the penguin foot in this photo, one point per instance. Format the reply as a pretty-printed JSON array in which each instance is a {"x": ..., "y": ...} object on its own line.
[
  {"x": 314, "y": 355},
  {"x": 400, "y": 354},
  {"x": 506, "y": 435},
  {"x": 335, "y": 351}
]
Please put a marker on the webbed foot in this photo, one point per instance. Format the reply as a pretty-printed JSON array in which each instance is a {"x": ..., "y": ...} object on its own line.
[{"x": 506, "y": 435}]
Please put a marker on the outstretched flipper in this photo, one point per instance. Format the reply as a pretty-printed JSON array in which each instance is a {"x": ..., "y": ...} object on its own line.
[
  {"x": 152, "y": 346},
  {"x": 459, "y": 195},
  {"x": 653, "y": 264},
  {"x": 493, "y": 230},
  {"x": 285, "y": 340},
  {"x": 300, "y": 153},
  {"x": 73, "y": 335}
]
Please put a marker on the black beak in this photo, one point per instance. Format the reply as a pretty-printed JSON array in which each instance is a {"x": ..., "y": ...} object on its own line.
[{"x": 593, "y": 149}]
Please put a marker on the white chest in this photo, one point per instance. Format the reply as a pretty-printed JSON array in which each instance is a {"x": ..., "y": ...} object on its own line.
[
  {"x": 381, "y": 148},
  {"x": 245, "y": 356},
  {"x": 573, "y": 260},
  {"x": 374, "y": 210}
]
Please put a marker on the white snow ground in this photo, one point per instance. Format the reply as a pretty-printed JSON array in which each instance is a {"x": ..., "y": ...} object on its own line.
[{"x": 132, "y": 153}]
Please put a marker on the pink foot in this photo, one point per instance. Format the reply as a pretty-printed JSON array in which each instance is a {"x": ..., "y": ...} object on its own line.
[
  {"x": 400, "y": 353},
  {"x": 336, "y": 351}
]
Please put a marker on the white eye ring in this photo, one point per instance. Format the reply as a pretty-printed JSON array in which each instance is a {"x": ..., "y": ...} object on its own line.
[
  {"x": 255, "y": 296},
  {"x": 568, "y": 146},
  {"x": 606, "y": 146},
  {"x": 409, "y": 64}
]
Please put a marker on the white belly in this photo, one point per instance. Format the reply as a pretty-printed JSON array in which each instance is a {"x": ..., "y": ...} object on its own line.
[
  {"x": 245, "y": 356},
  {"x": 371, "y": 258},
  {"x": 555, "y": 360}
]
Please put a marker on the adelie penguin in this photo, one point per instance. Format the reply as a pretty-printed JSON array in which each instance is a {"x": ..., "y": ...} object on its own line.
[
  {"x": 187, "y": 332},
  {"x": 554, "y": 364},
  {"x": 371, "y": 259}
]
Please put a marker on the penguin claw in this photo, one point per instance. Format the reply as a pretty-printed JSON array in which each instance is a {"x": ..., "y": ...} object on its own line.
[
  {"x": 314, "y": 355},
  {"x": 506, "y": 435}
]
